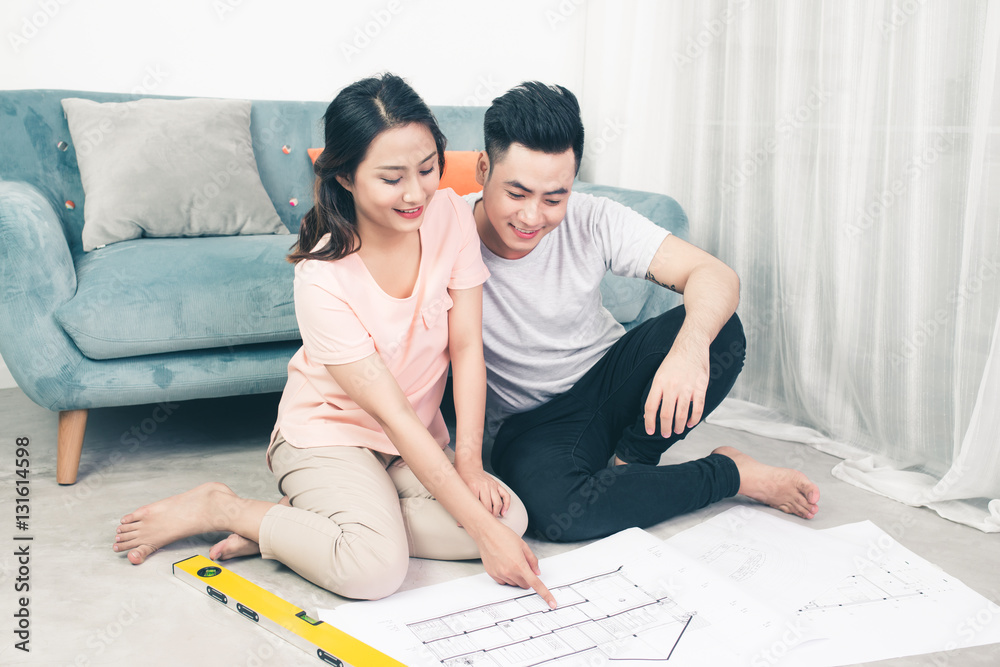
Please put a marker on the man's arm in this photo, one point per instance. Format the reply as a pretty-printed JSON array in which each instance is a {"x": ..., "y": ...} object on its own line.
[{"x": 711, "y": 294}]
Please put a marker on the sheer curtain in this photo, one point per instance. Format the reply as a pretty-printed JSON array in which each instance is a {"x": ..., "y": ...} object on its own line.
[{"x": 844, "y": 158}]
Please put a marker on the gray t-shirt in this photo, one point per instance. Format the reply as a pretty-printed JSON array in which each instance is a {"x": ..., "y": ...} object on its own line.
[{"x": 544, "y": 325}]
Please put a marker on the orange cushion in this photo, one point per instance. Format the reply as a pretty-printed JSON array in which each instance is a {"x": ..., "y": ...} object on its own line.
[{"x": 459, "y": 170}]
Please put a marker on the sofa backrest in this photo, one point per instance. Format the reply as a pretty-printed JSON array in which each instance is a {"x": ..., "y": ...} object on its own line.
[{"x": 32, "y": 125}]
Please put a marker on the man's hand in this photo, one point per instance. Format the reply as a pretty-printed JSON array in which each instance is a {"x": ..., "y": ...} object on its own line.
[
  {"x": 487, "y": 488},
  {"x": 678, "y": 388},
  {"x": 711, "y": 293}
]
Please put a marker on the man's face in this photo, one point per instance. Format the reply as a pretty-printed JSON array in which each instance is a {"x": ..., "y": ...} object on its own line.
[{"x": 524, "y": 198}]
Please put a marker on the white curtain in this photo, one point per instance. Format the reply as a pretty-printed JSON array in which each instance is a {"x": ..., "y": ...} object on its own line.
[{"x": 844, "y": 158}]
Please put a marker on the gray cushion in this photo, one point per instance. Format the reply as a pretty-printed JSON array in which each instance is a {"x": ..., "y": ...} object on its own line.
[
  {"x": 161, "y": 168},
  {"x": 211, "y": 292}
]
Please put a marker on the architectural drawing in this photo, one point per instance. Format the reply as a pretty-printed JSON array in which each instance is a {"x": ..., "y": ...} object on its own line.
[
  {"x": 600, "y": 618},
  {"x": 740, "y": 561},
  {"x": 883, "y": 584}
]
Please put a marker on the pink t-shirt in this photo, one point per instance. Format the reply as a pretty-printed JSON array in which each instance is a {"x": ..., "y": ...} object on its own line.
[{"x": 345, "y": 316}]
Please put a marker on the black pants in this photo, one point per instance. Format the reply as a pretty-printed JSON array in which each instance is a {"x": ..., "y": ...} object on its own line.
[{"x": 555, "y": 457}]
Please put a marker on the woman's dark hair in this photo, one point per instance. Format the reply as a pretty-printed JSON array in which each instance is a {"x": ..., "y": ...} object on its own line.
[
  {"x": 539, "y": 117},
  {"x": 355, "y": 117}
]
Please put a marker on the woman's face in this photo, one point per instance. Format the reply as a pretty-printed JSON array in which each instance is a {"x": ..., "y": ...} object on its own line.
[{"x": 396, "y": 180}]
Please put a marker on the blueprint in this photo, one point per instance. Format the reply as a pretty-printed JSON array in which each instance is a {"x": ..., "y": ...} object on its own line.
[
  {"x": 625, "y": 600},
  {"x": 858, "y": 595},
  {"x": 780, "y": 560},
  {"x": 603, "y": 615},
  {"x": 894, "y": 604},
  {"x": 743, "y": 588}
]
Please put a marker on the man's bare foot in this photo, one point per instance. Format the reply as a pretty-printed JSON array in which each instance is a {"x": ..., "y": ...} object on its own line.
[
  {"x": 234, "y": 546},
  {"x": 782, "y": 488},
  {"x": 205, "y": 508},
  {"x": 619, "y": 462}
]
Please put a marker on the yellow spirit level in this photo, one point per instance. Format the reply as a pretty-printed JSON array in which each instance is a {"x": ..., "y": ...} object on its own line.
[{"x": 280, "y": 617}]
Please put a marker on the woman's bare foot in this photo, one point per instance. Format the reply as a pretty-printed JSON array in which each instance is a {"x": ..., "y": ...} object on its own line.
[
  {"x": 782, "y": 488},
  {"x": 209, "y": 507},
  {"x": 236, "y": 546}
]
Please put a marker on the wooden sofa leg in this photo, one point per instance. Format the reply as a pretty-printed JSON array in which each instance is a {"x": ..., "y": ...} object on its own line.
[{"x": 72, "y": 426}]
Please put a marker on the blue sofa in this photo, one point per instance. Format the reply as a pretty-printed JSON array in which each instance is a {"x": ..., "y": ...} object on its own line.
[{"x": 173, "y": 319}]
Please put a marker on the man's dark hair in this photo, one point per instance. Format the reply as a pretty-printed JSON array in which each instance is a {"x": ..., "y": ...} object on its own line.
[{"x": 539, "y": 117}]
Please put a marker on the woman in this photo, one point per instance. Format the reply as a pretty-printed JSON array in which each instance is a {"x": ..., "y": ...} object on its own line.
[{"x": 388, "y": 289}]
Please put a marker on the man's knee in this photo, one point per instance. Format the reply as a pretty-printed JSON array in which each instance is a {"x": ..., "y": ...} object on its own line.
[
  {"x": 567, "y": 522},
  {"x": 547, "y": 514},
  {"x": 728, "y": 350},
  {"x": 557, "y": 527},
  {"x": 576, "y": 513},
  {"x": 732, "y": 331}
]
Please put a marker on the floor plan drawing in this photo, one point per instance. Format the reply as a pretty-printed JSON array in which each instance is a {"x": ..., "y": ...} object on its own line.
[
  {"x": 780, "y": 561},
  {"x": 626, "y": 600},
  {"x": 600, "y": 618},
  {"x": 742, "y": 562},
  {"x": 880, "y": 585},
  {"x": 894, "y": 604}
]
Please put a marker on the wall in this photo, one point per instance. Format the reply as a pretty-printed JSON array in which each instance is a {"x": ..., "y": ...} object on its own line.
[{"x": 452, "y": 52}]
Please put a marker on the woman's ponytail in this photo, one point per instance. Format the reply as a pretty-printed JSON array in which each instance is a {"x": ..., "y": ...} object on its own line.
[{"x": 332, "y": 213}]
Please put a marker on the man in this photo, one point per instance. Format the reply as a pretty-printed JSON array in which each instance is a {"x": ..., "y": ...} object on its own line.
[{"x": 568, "y": 388}]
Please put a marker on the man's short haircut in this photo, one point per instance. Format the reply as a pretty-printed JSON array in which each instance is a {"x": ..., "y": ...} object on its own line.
[{"x": 539, "y": 117}]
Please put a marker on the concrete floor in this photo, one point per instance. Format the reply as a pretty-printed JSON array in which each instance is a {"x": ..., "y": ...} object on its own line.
[{"x": 90, "y": 606}]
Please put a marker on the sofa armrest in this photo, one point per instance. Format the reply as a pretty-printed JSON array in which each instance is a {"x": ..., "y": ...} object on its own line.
[
  {"x": 661, "y": 209},
  {"x": 630, "y": 300},
  {"x": 37, "y": 276}
]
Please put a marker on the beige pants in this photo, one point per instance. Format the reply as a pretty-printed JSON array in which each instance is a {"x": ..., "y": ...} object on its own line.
[{"x": 356, "y": 518}]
